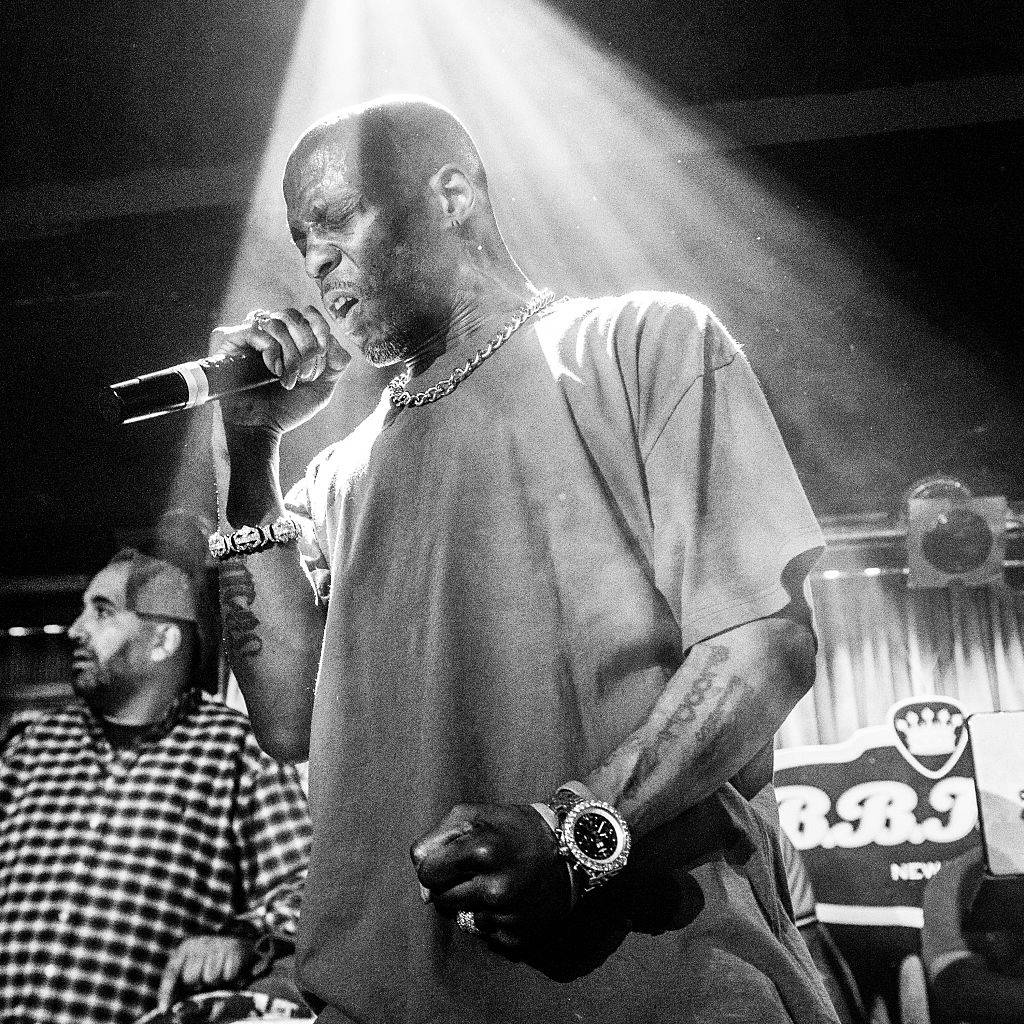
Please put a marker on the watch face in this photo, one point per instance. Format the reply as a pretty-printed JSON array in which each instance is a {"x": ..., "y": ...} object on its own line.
[{"x": 596, "y": 836}]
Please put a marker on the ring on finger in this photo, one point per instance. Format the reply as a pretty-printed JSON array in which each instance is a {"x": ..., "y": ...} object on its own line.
[
  {"x": 311, "y": 372},
  {"x": 260, "y": 317},
  {"x": 466, "y": 920}
]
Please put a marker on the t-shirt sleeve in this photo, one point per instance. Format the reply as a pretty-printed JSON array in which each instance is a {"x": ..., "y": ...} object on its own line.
[
  {"x": 300, "y": 501},
  {"x": 734, "y": 534}
]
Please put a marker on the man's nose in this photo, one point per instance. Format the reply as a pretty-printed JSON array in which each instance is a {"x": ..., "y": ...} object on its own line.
[
  {"x": 75, "y": 630},
  {"x": 321, "y": 260}
]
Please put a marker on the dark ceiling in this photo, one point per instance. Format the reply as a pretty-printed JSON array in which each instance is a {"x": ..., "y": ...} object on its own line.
[{"x": 876, "y": 382}]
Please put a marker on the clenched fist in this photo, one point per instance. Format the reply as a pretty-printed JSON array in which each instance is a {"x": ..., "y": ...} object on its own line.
[{"x": 502, "y": 863}]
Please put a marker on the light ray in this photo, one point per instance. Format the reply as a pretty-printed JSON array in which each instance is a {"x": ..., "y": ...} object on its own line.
[{"x": 601, "y": 184}]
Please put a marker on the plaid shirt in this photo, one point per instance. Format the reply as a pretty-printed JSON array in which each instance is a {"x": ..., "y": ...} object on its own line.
[{"x": 110, "y": 857}]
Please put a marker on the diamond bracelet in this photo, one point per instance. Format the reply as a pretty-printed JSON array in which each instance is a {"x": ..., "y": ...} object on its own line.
[{"x": 247, "y": 540}]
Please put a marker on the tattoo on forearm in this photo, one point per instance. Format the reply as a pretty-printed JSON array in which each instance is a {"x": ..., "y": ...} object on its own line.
[
  {"x": 676, "y": 727},
  {"x": 237, "y": 594},
  {"x": 717, "y": 734}
]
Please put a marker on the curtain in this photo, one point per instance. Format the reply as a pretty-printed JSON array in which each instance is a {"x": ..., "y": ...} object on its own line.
[{"x": 880, "y": 642}]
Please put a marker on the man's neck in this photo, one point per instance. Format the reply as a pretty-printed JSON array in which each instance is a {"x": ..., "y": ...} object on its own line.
[
  {"x": 147, "y": 706},
  {"x": 477, "y": 315}
]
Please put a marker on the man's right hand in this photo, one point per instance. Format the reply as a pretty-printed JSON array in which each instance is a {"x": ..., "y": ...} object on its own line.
[{"x": 298, "y": 347}]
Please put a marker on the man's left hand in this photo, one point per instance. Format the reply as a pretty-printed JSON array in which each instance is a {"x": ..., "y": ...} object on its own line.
[
  {"x": 210, "y": 959},
  {"x": 500, "y": 862}
]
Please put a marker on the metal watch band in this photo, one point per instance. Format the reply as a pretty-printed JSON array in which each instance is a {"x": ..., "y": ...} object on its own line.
[{"x": 567, "y": 796}]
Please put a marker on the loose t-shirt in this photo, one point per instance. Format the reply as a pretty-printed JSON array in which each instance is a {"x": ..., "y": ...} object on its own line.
[{"x": 514, "y": 572}]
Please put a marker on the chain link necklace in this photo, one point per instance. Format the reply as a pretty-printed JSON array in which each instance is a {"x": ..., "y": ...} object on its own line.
[{"x": 401, "y": 398}]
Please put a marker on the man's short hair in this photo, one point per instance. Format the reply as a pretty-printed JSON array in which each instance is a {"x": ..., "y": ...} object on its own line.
[{"x": 169, "y": 579}]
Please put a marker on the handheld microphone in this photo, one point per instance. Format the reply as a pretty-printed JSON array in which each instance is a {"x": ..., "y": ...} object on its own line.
[{"x": 184, "y": 386}]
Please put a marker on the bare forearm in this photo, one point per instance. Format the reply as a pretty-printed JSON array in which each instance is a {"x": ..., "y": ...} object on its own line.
[
  {"x": 719, "y": 710},
  {"x": 273, "y": 629}
]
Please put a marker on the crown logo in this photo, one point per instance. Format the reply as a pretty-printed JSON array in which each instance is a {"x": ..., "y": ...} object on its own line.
[{"x": 930, "y": 733}]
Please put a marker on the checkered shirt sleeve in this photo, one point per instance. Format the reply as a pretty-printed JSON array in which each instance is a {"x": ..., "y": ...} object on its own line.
[
  {"x": 111, "y": 857},
  {"x": 272, "y": 832}
]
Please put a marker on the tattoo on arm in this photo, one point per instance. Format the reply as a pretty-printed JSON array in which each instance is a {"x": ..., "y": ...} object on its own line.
[
  {"x": 237, "y": 594},
  {"x": 718, "y": 731},
  {"x": 678, "y": 722}
]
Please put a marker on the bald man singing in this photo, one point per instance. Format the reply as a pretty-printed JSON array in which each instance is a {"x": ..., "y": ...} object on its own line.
[{"x": 557, "y": 613}]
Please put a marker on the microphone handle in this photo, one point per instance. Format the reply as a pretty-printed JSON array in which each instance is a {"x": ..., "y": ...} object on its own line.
[{"x": 185, "y": 386}]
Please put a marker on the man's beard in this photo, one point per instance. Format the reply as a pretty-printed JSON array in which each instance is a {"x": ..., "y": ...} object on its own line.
[
  {"x": 89, "y": 682},
  {"x": 404, "y": 306},
  {"x": 385, "y": 351},
  {"x": 97, "y": 685}
]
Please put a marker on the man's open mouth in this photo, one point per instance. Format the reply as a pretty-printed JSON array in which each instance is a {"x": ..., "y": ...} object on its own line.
[{"x": 342, "y": 306}]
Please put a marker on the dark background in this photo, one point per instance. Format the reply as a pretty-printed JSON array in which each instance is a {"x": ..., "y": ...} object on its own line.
[{"x": 876, "y": 383}]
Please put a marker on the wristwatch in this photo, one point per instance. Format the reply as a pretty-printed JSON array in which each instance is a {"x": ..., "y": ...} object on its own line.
[{"x": 593, "y": 838}]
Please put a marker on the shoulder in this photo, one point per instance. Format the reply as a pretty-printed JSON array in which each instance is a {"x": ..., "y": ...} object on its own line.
[
  {"x": 655, "y": 337},
  {"x": 16, "y": 730},
  {"x": 637, "y": 309},
  {"x": 39, "y": 727},
  {"x": 232, "y": 734},
  {"x": 212, "y": 718},
  {"x": 650, "y": 346},
  {"x": 651, "y": 313}
]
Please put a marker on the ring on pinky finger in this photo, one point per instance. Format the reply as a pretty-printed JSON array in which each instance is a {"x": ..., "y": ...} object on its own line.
[
  {"x": 311, "y": 372},
  {"x": 466, "y": 920}
]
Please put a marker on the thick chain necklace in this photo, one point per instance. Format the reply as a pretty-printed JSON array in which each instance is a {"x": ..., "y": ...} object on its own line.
[{"x": 401, "y": 398}]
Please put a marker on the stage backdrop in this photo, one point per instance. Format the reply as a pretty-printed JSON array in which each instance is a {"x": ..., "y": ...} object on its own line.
[
  {"x": 876, "y": 816},
  {"x": 874, "y": 770},
  {"x": 881, "y": 643}
]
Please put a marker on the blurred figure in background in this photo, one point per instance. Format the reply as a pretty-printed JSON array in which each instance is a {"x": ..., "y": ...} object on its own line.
[
  {"x": 831, "y": 964},
  {"x": 974, "y": 973},
  {"x": 147, "y": 845}
]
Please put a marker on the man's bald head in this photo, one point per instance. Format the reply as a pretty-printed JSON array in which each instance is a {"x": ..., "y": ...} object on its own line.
[
  {"x": 389, "y": 149},
  {"x": 388, "y": 207}
]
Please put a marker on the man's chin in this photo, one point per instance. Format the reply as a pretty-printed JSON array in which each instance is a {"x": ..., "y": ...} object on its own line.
[
  {"x": 382, "y": 354},
  {"x": 85, "y": 683}
]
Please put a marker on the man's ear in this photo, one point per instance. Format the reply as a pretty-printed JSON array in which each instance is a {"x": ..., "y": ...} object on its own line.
[
  {"x": 454, "y": 193},
  {"x": 166, "y": 641}
]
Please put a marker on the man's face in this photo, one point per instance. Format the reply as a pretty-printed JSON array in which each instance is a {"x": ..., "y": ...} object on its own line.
[
  {"x": 112, "y": 643},
  {"x": 371, "y": 264}
]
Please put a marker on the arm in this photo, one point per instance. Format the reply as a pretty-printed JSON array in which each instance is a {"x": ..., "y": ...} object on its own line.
[
  {"x": 273, "y": 629},
  {"x": 272, "y": 625},
  {"x": 720, "y": 709},
  {"x": 272, "y": 835},
  {"x": 961, "y": 981},
  {"x": 272, "y": 831}
]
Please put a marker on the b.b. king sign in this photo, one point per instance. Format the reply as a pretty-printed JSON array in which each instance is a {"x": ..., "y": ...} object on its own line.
[{"x": 875, "y": 817}]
